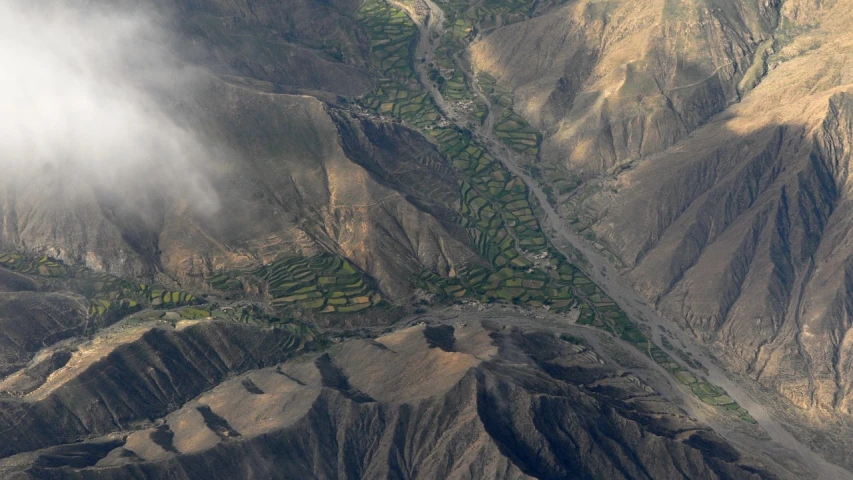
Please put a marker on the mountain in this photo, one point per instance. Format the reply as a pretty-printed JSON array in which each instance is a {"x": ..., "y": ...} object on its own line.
[
  {"x": 733, "y": 223},
  {"x": 471, "y": 401},
  {"x": 612, "y": 82},
  {"x": 417, "y": 239},
  {"x": 289, "y": 188}
]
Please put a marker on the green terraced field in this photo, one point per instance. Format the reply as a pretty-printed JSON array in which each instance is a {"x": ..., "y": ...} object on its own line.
[
  {"x": 517, "y": 134},
  {"x": 500, "y": 221},
  {"x": 491, "y": 196},
  {"x": 117, "y": 308},
  {"x": 455, "y": 88},
  {"x": 606, "y": 314},
  {"x": 167, "y": 298},
  {"x": 391, "y": 35},
  {"x": 225, "y": 282},
  {"x": 684, "y": 356},
  {"x": 307, "y": 335},
  {"x": 555, "y": 181},
  {"x": 249, "y": 314},
  {"x": 443, "y": 287},
  {"x": 580, "y": 220},
  {"x": 511, "y": 128},
  {"x": 43, "y": 267},
  {"x": 462, "y": 16},
  {"x": 107, "y": 295},
  {"x": 450, "y": 78},
  {"x": 400, "y": 102},
  {"x": 324, "y": 284}
]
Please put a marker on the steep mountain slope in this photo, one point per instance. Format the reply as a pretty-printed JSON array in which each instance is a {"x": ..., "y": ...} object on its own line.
[
  {"x": 470, "y": 401},
  {"x": 753, "y": 223},
  {"x": 32, "y": 320},
  {"x": 736, "y": 229},
  {"x": 609, "y": 82}
]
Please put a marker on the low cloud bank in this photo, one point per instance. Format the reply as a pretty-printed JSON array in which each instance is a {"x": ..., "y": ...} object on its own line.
[{"x": 83, "y": 91}]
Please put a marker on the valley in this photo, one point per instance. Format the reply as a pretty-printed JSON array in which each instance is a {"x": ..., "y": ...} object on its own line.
[
  {"x": 602, "y": 311},
  {"x": 450, "y": 237},
  {"x": 504, "y": 146}
]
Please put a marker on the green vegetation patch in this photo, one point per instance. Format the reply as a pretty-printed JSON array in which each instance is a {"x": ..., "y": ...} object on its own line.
[
  {"x": 497, "y": 94},
  {"x": 225, "y": 282},
  {"x": 109, "y": 296},
  {"x": 398, "y": 101},
  {"x": 517, "y": 134},
  {"x": 391, "y": 35},
  {"x": 325, "y": 283}
]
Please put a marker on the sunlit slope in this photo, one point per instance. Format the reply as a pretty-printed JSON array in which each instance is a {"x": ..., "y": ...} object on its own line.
[
  {"x": 610, "y": 81},
  {"x": 736, "y": 225},
  {"x": 342, "y": 206},
  {"x": 745, "y": 233}
]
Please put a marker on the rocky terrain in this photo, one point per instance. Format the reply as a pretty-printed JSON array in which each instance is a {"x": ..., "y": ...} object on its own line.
[
  {"x": 426, "y": 402},
  {"x": 659, "y": 190}
]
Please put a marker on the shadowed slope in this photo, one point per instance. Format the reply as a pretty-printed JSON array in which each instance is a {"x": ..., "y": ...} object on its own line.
[{"x": 488, "y": 410}]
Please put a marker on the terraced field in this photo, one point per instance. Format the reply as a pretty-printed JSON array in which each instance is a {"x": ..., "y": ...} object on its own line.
[
  {"x": 391, "y": 36},
  {"x": 517, "y": 134},
  {"x": 247, "y": 314},
  {"x": 497, "y": 94},
  {"x": 702, "y": 388},
  {"x": 605, "y": 314},
  {"x": 463, "y": 16},
  {"x": 344, "y": 289},
  {"x": 325, "y": 284},
  {"x": 495, "y": 211},
  {"x": 580, "y": 220},
  {"x": 492, "y": 198},
  {"x": 225, "y": 282},
  {"x": 108, "y": 296},
  {"x": 493, "y": 207},
  {"x": 398, "y": 94},
  {"x": 43, "y": 267},
  {"x": 454, "y": 87},
  {"x": 559, "y": 181},
  {"x": 402, "y": 103},
  {"x": 510, "y": 128}
]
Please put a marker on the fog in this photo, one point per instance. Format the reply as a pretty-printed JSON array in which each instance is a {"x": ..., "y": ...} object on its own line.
[{"x": 81, "y": 100}]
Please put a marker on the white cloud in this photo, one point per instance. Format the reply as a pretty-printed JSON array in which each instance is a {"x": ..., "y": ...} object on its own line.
[{"x": 81, "y": 95}]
